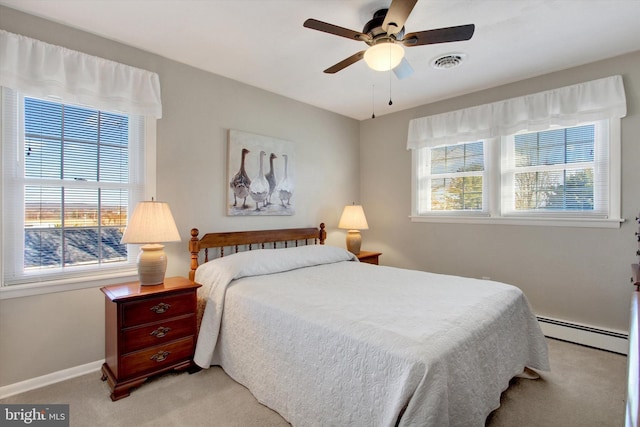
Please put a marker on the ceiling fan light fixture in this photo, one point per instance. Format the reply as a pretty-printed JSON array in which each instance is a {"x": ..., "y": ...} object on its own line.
[{"x": 384, "y": 56}]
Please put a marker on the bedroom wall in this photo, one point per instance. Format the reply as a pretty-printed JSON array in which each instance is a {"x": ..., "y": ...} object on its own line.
[
  {"x": 48, "y": 333},
  {"x": 579, "y": 275}
]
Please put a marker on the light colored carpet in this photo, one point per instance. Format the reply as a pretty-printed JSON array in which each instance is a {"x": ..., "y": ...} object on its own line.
[{"x": 586, "y": 387}]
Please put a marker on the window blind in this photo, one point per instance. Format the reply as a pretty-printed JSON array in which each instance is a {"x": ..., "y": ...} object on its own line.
[
  {"x": 69, "y": 175},
  {"x": 561, "y": 171}
]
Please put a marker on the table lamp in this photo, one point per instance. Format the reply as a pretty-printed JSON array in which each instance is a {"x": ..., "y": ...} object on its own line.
[
  {"x": 151, "y": 225},
  {"x": 353, "y": 219}
]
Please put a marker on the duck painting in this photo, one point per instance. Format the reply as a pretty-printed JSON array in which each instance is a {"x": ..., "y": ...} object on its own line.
[
  {"x": 241, "y": 183},
  {"x": 285, "y": 188},
  {"x": 271, "y": 178},
  {"x": 259, "y": 189},
  {"x": 261, "y": 172}
]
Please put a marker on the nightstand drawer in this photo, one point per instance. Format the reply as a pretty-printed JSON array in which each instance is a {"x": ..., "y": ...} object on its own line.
[
  {"x": 157, "y": 333},
  {"x": 156, "y": 358},
  {"x": 158, "y": 308}
]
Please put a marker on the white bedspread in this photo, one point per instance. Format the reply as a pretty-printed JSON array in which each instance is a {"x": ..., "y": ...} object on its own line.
[{"x": 348, "y": 343}]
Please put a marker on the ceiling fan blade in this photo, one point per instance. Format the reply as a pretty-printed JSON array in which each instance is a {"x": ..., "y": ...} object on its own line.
[
  {"x": 441, "y": 35},
  {"x": 403, "y": 69},
  {"x": 314, "y": 24},
  {"x": 397, "y": 14},
  {"x": 345, "y": 63}
]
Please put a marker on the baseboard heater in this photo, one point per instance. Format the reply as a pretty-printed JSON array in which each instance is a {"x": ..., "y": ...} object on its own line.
[{"x": 604, "y": 339}]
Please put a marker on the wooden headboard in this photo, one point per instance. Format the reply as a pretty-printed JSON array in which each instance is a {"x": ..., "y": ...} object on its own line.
[{"x": 258, "y": 239}]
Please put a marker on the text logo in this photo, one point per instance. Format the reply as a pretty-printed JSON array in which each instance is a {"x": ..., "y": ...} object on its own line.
[{"x": 34, "y": 415}]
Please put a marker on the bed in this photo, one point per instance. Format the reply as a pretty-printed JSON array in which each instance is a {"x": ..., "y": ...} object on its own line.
[{"x": 326, "y": 340}]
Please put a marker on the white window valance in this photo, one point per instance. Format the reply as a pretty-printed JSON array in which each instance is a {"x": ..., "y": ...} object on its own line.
[
  {"x": 43, "y": 70},
  {"x": 567, "y": 106}
]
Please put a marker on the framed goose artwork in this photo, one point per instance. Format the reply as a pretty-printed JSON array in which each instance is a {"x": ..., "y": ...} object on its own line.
[{"x": 261, "y": 175}]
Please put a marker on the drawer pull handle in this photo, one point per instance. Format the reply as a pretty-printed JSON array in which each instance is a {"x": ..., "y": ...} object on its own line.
[
  {"x": 160, "y": 332},
  {"x": 160, "y": 308},
  {"x": 160, "y": 356}
]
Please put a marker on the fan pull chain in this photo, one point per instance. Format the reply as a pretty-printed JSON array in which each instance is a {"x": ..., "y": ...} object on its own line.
[
  {"x": 373, "y": 114},
  {"x": 390, "y": 101}
]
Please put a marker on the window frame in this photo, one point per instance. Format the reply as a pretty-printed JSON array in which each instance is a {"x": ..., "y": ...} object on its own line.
[
  {"x": 424, "y": 162},
  {"x": 92, "y": 276},
  {"x": 494, "y": 147}
]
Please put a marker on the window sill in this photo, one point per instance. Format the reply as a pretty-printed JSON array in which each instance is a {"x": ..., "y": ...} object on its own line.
[
  {"x": 63, "y": 285},
  {"x": 546, "y": 222}
]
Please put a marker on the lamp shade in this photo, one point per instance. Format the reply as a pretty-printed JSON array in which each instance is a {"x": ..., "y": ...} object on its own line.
[
  {"x": 151, "y": 222},
  {"x": 353, "y": 218},
  {"x": 384, "y": 56}
]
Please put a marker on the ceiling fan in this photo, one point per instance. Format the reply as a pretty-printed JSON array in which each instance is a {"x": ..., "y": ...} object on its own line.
[{"x": 384, "y": 34}]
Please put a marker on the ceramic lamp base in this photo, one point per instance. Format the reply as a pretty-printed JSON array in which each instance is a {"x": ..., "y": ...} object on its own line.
[
  {"x": 354, "y": 240},
  {"x": 152, "y": 264}
]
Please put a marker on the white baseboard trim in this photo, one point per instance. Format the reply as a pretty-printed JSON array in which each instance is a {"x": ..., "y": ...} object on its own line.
[
  {"x": 610, "y": 340},
  {"x": 52, "y": 378}
]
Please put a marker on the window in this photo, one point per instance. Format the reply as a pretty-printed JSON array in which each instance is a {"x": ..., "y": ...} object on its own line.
[
  {"x": 558, "y": 174},
  {"x": 560, "y": 171},
  {"x": 70, "y": 175},
  {"x": 551, "y": 158},
  {"x": 78, "y": 151},
  {"x": 453, "y": 179}
]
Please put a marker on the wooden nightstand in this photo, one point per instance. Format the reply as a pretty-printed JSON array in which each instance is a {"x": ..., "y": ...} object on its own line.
[
  {"x": 369, "y": 257},
  {"x": 148, "y": 330}
]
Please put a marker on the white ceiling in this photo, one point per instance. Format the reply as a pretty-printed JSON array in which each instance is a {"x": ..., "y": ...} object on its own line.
[{"x": 263, "y": 43}]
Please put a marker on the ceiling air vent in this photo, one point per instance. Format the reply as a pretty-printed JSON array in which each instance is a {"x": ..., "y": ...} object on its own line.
[{"x": 450, "y": 60}]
